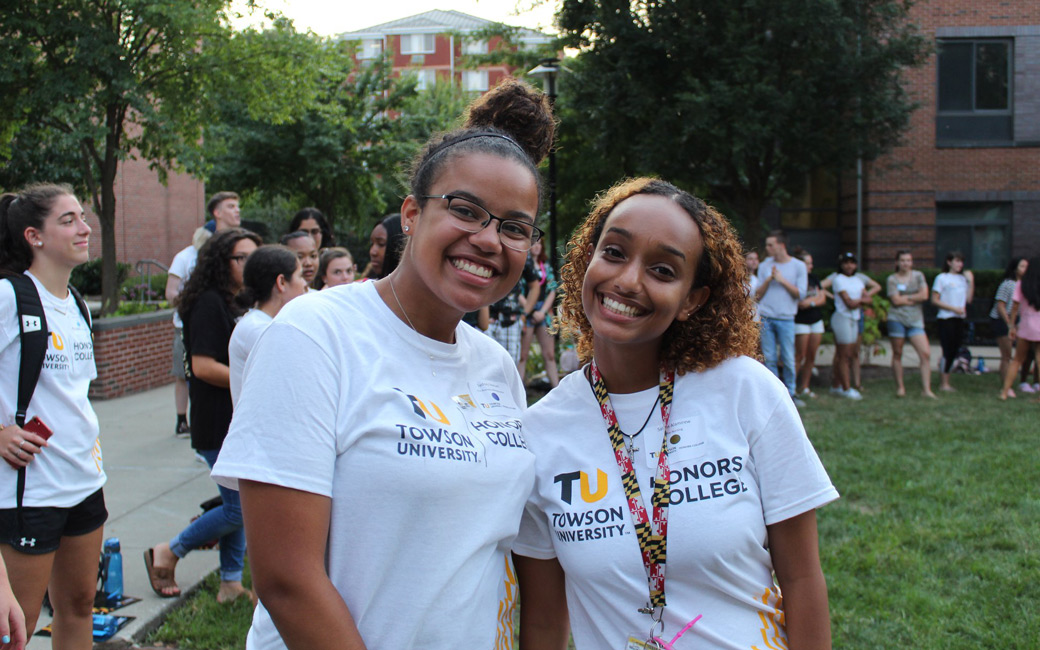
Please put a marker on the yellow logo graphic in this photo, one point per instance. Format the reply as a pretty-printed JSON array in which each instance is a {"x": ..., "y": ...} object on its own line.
[
  {"x": 56, "y": 341},
  {"x": 506, "y": 608},
  {"x": 424, "y": 411},
  {"x": 774, "y": 632},
  {"x": 566, "y": 482}
]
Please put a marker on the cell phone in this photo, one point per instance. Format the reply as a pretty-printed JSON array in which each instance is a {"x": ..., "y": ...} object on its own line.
[{"x": 36, "y": 425}]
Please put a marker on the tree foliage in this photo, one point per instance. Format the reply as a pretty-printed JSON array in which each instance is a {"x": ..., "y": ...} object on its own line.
[
  {"x": 346, "y": 153},
  {"x": 89, "y": 83},
  {"x": 741, "y": 98}
]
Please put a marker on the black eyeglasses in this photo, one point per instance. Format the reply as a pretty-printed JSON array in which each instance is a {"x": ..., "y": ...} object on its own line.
[
  {"x": 472, "y": 217},
  {"x": 238, "y": 258}
]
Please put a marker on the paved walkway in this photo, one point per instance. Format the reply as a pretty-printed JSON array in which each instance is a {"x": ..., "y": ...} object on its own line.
[{"x": 155, "y": 485}]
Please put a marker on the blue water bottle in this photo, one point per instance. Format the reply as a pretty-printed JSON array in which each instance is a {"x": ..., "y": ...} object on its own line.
[{"x": 112, "y": 571}]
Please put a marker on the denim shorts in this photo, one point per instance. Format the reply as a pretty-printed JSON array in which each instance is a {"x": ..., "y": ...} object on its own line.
[{"x": 897, "y": 330}]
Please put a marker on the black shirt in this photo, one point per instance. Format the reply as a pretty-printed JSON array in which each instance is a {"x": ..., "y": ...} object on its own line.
[
  {"x": 810, "y": 315},
  {"x": 207, "y": 332}
]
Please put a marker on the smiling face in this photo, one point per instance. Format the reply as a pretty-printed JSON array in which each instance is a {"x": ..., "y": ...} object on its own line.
[
  {"x": 956, "y": 265},
  {"x": 848, "y": 266},
  {"x": 339, "y": 271},
  {"x": 751, "y": 261},
  {"x": 465, "y": 271},
  {"x": 905, "y": 263},
  {"x": 307, "y": 252},
  {"x": 64, "y": 239},
  {"x": 641, "y": 274},
  {"x": 1020, "y": 270}
]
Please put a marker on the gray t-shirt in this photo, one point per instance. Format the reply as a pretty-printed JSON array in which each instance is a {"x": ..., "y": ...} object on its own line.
[
  {"x": 776, "y": 302},
  {"x": 906, "y": 315}
]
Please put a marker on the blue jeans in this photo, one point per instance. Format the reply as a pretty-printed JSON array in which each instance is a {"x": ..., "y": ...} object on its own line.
[
  {"x": 223, "y": 522},
  {"x": 779, "y": 332}
]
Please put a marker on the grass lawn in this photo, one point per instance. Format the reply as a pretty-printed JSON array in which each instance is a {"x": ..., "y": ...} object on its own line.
[{"x": 935, "y": 543}]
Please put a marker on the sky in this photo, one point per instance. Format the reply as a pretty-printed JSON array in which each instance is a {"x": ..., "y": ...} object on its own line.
[{"x": 331, "y": 17}]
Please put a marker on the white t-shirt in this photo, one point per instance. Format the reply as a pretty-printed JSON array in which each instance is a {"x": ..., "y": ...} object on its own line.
[
  {"x": 953, "y": 290},
  {"x": 851, "y": 285},
  {"x": 428, "y": 474},
  {"x": 742, "y": 462},
  {"x": 182, "y": 265},
  {"x": 753, "y": 283},
  {"x": 70, "y": 469},
  {"x": 243, "y": 340},
  {"x": 776, "y": 302}
]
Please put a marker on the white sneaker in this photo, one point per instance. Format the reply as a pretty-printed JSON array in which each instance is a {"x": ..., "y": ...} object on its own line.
[
  {"x": 1025, "y": 387},
  {"x": 852, "y": 393},
  {"x": 837, "y": 391}
]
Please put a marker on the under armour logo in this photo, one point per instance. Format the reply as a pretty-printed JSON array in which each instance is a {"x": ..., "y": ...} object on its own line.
[
  {"x": 31, "y": 324},
  {"x": 28, "y": 542}
]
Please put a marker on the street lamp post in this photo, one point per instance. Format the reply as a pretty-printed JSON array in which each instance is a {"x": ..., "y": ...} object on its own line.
[{"x": 547, "y": 70}]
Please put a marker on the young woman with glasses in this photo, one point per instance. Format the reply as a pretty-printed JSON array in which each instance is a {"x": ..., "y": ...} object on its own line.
[{"x": 382, "y": 462}]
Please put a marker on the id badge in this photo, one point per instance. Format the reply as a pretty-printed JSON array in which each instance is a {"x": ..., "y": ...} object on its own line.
[
  {"x": 637, "y": 643},
  {"x": 684, "y": 441}
]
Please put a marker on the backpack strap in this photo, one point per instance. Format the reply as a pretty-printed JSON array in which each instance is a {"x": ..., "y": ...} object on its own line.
[
  {"x": 32, "y": 326},
  {"x": 83, "y": 309}
]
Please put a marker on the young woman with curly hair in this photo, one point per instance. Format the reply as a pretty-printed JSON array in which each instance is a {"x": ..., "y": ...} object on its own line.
[
  {"x": 377, "y": 440},
  {"x": 655, "y": 296},
  {"x": 209, "y": 311}
]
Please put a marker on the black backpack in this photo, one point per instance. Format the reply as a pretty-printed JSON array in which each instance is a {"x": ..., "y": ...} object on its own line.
[{"x": 32, "y": 326}]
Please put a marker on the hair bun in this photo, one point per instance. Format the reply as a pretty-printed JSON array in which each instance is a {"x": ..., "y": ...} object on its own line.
[{"x": 519, "y": 110}]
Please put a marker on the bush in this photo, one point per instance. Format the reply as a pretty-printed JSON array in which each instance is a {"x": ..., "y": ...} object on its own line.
[
  {"x": 130, "y": 308},
  {"x": 139, "y": 289},
  {"x": 87, "y": 277}
]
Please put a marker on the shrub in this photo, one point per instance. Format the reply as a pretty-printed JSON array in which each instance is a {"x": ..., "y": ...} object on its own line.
[{"x": 87, "y": 277}]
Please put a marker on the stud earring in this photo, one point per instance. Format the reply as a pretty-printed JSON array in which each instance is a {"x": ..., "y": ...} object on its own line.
[
  {"x": 406, "y": 228},
  {"x": 38, "y": 244}
]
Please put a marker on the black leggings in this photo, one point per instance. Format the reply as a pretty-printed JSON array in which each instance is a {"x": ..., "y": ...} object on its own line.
[{"x": 951, "y": 330}]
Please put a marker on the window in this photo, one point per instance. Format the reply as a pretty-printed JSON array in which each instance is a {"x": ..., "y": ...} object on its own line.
[
  {"x": 975, "y": 94},
  {"x": 475, "y": 80},
  {"x": 981, "y": 231},
  {"x": 371, "y": 48},
  {"x": 474, "y": 47},
  {"x": 816, "y": 206},
  {"x": 425, "y": 78},
  {"x": 418, "y": 43}
]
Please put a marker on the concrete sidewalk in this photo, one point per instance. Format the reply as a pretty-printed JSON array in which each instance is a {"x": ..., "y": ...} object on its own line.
[{"x": 155, "y": 486}]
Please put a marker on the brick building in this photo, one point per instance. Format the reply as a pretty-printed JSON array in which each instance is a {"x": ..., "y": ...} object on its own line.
[
  {"x": 967, "y": 176},
  {"x": 432, "y": 45},
  {"x": 153, "y": 221}
]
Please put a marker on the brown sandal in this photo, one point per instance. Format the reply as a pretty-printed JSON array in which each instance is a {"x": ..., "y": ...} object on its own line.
[{"x": 160, "y": 577}]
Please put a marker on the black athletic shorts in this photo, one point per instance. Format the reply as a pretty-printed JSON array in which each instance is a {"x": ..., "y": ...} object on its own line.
[{"x": 44, "y": 527}]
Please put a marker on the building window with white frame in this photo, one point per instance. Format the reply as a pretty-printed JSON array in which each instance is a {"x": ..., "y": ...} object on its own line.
[
  {"x": 475, "y": 80},
  {"x": 370, "y": 48},
  {"x": 470, "y": 46},
  {"x": 418, "y": 43},
  {"x": 425, "y": 78}
]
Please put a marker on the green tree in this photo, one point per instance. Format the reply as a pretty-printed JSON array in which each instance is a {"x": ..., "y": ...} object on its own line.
[
  {"x": 88, "y": 83},
  {"x": 347, "y": 153},
  {"x": 742, "y": 98}
]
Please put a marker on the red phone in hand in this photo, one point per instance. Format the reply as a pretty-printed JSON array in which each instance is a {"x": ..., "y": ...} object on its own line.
[{"x": 36, "y": 425}]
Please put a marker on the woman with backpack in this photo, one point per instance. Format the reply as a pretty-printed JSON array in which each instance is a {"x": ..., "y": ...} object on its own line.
[{"x": 52, "y": 508}]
